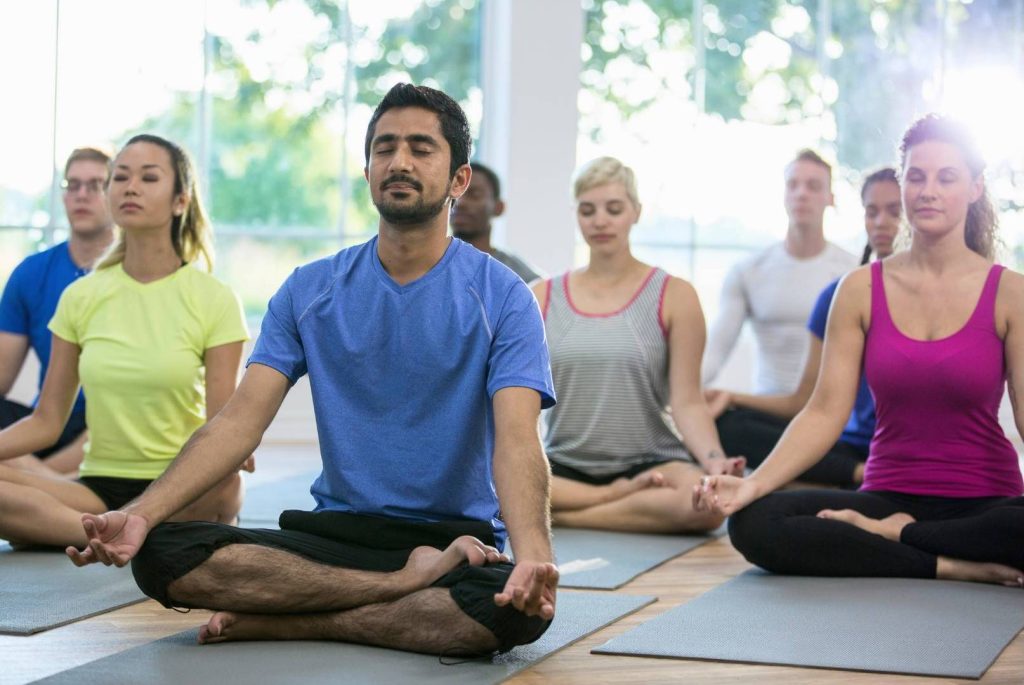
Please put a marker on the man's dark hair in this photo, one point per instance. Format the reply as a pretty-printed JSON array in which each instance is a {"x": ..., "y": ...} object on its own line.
[
  {"x": 454, "y": 125},
  {"x": 488, "y": 172}
]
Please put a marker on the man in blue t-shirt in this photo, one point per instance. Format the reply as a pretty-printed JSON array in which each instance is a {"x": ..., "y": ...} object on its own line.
[
  {"x": 428, "y": 368},
  {"x": 30, "y": 299}
]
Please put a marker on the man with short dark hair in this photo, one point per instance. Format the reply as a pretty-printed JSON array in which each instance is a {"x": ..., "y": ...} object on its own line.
[
  {"x": 776, "y": 288},
  {"x": 30, "y": 299},
  {"x": 429, "y": 369},
  {"x": 472, "y": 214}
]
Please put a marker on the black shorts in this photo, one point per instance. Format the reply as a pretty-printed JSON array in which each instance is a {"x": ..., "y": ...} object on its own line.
[
  {"x": 562, "y": 471},
  {"x": 12, "y": 412},
  {"x": 115, "y": 492},
  {"x": 366, "y": 543}
]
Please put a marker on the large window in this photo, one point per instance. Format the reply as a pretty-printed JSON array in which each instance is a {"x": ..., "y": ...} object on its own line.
[
  {"x": 709, "y": 100},
  {"x": 271, "y": 97}
]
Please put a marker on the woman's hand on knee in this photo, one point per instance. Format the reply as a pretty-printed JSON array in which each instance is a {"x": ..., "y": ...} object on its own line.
[{"x": 723, "y": 494}]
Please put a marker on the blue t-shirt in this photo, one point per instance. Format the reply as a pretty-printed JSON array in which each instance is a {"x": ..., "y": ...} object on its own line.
[
  {"x": 861, "y": 426},
  {"x": 30, "y": 299},
  {"x": 403, "y": 375}
]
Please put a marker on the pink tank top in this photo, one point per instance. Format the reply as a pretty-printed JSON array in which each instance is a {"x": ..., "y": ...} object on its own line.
[{"x": 937, "y": 403}]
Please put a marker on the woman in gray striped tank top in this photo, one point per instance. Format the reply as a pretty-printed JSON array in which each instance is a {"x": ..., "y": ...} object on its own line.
[{"x": 626, "y": 340}]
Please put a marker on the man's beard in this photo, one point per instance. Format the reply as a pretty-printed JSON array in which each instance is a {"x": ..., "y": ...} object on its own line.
[{"x": 420, "y": 212}]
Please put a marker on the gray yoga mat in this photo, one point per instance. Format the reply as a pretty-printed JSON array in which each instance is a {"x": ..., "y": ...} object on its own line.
[
  {"x": 177, "y": 659},
  {"x": 43, "y": 590},
  {"x": 604, "y": 560},
  {"x": 889, "y": 625},
  {"x": 264, "y": 503}
]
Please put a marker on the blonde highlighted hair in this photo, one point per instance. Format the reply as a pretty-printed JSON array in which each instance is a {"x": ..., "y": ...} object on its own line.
[
  {"x": 602, "y": 171},
  {"x": 191, "y": 233}
]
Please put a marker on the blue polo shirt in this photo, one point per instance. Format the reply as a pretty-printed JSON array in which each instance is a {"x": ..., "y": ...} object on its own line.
[
  {"x": 403, "y": 376},
  {"x": 861, "y": 426},
  {"x": 30, "y": 299}
]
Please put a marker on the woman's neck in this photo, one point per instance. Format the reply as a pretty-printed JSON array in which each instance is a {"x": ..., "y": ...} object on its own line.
[
  {"x": 939, "y": 254},
  {"x": 611, "y": 268},
  {"x": 149, "y": 255}
]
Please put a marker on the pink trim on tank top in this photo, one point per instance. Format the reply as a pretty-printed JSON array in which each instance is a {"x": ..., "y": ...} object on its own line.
[
  {"x": 568, "y": 298},
  {"x": 661, "y": 306}
]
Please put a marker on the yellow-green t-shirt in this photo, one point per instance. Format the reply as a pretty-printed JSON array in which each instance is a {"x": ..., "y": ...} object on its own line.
[{"x": 141, "y": 363}]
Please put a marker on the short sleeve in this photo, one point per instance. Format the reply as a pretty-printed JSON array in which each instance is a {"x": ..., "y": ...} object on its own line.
[
  {"x": 64, "y": 323},
  {"x": 279, "y": 345},
  {"x": 519, "y": 351},
  {"x": 818, "y": 321},
  {"x": 227, "y": 318},
  {"x": 14, "y": 314}
]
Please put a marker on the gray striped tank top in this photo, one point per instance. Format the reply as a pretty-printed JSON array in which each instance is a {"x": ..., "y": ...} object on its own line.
[{"x": 611, "y": 380}]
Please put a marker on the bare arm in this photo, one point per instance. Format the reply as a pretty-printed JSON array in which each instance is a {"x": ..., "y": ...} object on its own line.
[
  {"x": 540, "y": 292},
  {"x": 222, "y": 363},
  {"x": 1010, "y": 309},
  {"x": 13, "y": 350},
  {"x": 820, "y": 423},
  {"x": 42, "y": 428},
  {"x": 685, "y": 323},
  {"x": 725, "y": 331},
  {"x": 787, "y": 406},
  {"x": 217, "y": 448},
  {"x": 522, "y": 481}
]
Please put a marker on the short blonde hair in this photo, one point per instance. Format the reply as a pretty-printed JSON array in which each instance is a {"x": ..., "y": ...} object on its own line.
[{"x": 602, "y": 171}]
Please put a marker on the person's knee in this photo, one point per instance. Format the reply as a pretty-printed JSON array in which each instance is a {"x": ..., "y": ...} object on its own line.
[
  {"x": 172, "y": 550},
  {"x": 220, "y": 504},
  {"x": 751, "y": 534},
  {"x": 473, "y": 589},
  {"x": 9, "y": 500}
]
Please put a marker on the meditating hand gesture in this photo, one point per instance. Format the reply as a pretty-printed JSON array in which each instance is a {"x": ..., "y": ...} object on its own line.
[
  {"x": 724, "y": 494},
  {"x": 114, "y": 538},
  {"x": 531, "y": 589}
]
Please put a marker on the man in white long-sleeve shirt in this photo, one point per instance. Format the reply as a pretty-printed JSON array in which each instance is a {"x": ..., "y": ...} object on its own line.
[{"x": 776, "y": 288}]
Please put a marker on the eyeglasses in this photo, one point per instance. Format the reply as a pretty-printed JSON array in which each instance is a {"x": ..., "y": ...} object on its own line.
[{"x": 92, "y": 187}]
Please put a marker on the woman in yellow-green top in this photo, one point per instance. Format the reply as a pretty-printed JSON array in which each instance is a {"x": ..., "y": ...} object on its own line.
[{"x": 154, "y": 341}]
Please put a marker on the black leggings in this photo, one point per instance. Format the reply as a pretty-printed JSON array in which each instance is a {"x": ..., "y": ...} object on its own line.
[
  {"x": 753, "y": 434},
  {"x": 782, "y": 534}
]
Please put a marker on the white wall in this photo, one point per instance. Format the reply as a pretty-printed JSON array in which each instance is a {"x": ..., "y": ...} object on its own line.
[{"x": 531, "y": 75}]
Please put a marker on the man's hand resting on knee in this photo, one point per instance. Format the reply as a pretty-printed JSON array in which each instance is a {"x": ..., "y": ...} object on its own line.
[
  {"x": 114, "y": 538},
  {"x": 531, "y": 589}
]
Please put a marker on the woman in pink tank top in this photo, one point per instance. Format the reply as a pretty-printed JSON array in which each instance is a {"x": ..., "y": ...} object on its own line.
[{"x": 938, "y": 332}]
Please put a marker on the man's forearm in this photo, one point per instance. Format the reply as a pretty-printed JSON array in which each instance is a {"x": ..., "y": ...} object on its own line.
[
  {"x": 523, "y": 482},
  {"x": 202, "y": 463}
]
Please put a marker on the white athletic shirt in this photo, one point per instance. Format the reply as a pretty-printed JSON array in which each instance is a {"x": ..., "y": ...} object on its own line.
[{"x": 776, "y": 291}]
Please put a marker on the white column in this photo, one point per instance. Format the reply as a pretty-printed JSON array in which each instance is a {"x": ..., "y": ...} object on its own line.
[{"x": 531, "y": 75}]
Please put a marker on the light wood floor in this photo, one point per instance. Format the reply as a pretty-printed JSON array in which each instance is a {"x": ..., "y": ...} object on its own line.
[{"x": 23, "y": 659}]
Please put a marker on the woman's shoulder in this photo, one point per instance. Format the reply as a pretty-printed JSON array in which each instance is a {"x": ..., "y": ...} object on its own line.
[
  {"x": 199, "y": 279},
  {"x": 1011, "y": 286}
]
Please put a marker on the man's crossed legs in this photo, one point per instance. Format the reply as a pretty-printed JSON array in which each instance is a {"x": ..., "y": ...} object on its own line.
[{"x": 293, "y": 584}]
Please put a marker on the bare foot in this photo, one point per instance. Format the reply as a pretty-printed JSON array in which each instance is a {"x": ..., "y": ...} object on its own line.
[
  {"x": 889, "y": 528},
  {"x": 978, "y": 572},
  {"x": 622, "y": 487},
  {"x": 427, "y": 564},
  {"x": 229, "y": 626}
]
